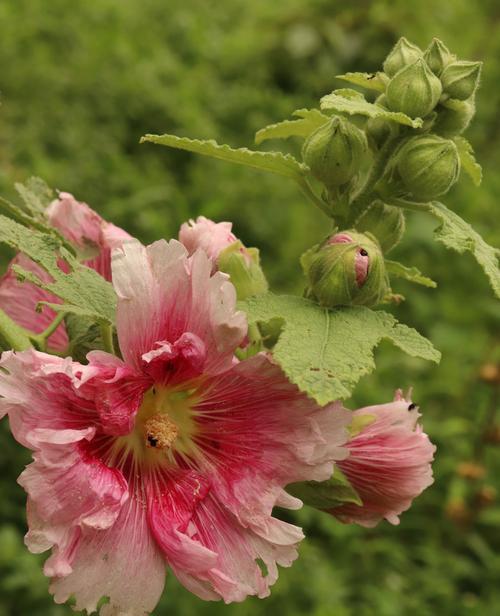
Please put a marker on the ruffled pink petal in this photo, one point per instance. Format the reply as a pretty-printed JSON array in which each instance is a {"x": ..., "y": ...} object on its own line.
[
  {"x": 208, "y": 235},
  {"x": 179, "y": 362},
  {"x": 257, "y": 434},
  {"x": 162, "y": 295},
  {"x": 389, "y": 464},
  {"x": 117, "y": 391},
  {"x": 20, "y": 299},
  {"x": 67, "y": 485},
  {"x": 41, "y": 391},
  {"x": 122, "y": 563}
]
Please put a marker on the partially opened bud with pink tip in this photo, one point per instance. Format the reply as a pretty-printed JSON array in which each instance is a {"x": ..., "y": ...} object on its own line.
[
  {"x": 227, "y": 254},
  {"x": 346, "y": 269}
]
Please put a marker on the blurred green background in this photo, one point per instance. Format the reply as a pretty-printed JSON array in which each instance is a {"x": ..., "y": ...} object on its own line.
[{"x": 82, "y": 81}]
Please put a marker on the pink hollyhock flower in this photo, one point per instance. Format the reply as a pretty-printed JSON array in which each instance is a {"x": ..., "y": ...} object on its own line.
[
  {"x": 89, "y": 233},
  {"x": 389, "y": 463},
  {"x": 212, "y": 237},
  {"x": 175, "y": 455},
  {"x": 361, "y": 259}
]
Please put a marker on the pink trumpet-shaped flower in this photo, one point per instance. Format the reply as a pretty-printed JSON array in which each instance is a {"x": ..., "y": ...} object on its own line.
[
  {"x": 175, "y": 455},
  {"x": 389, "y": 463},
  {"x": 212, "y": 237},
  {"x": 90, "y": 234}
]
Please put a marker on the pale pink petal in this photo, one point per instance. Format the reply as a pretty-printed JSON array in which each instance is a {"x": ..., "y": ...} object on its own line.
[
  {"x": 162, "y": 295},
  {"x": 121, "y": 563},
  {"x": 389, "y": 464},
  {"x": 40, "y": 391},
  {"x": 20, "y": 299},
  {"x": 208, "y": 235},
  {"x": 69, "y": 486}
]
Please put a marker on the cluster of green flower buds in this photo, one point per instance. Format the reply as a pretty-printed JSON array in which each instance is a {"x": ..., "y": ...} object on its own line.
[
  {"x": 346, "y": 269},
  {"x": 422, "y": 81},
  {"x": 335, "y": 153}
]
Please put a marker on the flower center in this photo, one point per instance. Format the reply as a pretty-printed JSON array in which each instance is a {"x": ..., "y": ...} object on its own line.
[
  {"x": 165, "y": 430},
  {"x": 160, "y": 431}
]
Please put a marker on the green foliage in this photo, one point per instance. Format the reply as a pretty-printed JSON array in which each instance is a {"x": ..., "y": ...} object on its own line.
[
  {"x": 339, "y": 349},
  {"x": 326, "y": 494},
  {"x": 83, "y": 291},
  {"x": 275, "y": 162},
  {"x": 467, "y": 160},
  {"x": 409, "y": 273},
  {"x": 353, "y": 103},
  {"x": 310, "y": 120}
]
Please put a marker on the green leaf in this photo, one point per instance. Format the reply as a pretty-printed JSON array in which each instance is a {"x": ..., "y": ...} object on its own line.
[
  {"x": 84, "y": 336},
  {"x": 371, "y": 81},
  {"x": 12, "y": 336},
  {"x": 458, "y": 235},
  {"x": 36, "y": 196},
  {"x": 409, "y": 273},
  {"x": 340, "y": 343},
  {"x": 310, "y": 120},
  {"x": 468, "y": 161},
  {"x": 275, "y": 162},
  {"x": 82, "y": 290},
  {"x": 326, "y": 494},
  {"x": 344, "y": 101}
]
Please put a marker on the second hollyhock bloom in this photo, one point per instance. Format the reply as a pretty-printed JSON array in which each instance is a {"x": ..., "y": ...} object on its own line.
[
  {"x": 389, "y": 462},
  {"x": 94, "y": 239},
  {"x": 175, "y": 455}
]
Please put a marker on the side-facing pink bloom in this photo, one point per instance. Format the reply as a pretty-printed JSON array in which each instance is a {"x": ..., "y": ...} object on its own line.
[
  {"x": 212, "y": 237},
  {"x": 175, "y": 455},
  {"x": 389, "y": 463},
  {"x": 90, "y": 234}
]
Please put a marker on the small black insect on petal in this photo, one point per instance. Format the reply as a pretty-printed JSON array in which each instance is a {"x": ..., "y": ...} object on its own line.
[
  {"x": 152, "y": 440},
  {"x": 412, "y": 406},
  {"x": 363, "y": 252}
]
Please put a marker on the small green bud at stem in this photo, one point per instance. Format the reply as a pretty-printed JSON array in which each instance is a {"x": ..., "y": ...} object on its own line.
[
  {"x": 385, "y": 222},
  {"x": 334, "y": 152},
  {"x": 437, "y": 56},
  {"x": 460, "y": 79},
  {"x": 414, "y": 90},
  {"x": 428, "y": 166},
  {"x": 243, "y": 266},
  {"x": 402, "y": 54}
]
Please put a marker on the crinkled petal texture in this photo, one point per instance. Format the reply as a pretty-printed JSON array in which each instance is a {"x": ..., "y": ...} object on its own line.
[
  {"x": 93, "y": 236},
  {"x": 174, "y": 456},
  {"x": 389, "y": 464}
]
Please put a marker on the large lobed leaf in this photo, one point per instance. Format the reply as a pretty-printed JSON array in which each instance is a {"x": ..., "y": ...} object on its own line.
[
  {"x": 325, "y": 352},
  {"x": 82, "y": 290},
  {"x": 274, "y": 162},
  {"x": 353, "y": 103}
]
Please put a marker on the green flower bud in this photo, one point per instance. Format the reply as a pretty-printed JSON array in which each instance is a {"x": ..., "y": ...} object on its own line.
[
  {"x": 437, "y": 56},
  {"x": 460, "y": 79},
  {"x": 428, "y": 166},
  {"x": 402, "y": 54},
  {"x": 335, "y": 151},
  {"x": 243, "y": 266},
  {"x": 454, "y": 117},
  {"x": 414, "y": 90},
  {"x": 347, "y": 269},
  {"x": 385, "y": 222}
]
